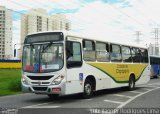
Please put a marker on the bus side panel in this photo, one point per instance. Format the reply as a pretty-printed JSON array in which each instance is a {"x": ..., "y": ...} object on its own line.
[
  {"x": 119, "y": 73},
  {"x": 76, "y": 78},
  {"x": 73, "y": 83},
  {"x": 145, "y": 76},
  {"x": 105, "y": 80},
  {"x": 107, "y": 75},
  {"x": 102, "y": 80}
]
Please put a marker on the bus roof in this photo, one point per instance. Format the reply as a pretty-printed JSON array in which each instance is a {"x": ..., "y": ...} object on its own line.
[{"x": 84, "y": 36}]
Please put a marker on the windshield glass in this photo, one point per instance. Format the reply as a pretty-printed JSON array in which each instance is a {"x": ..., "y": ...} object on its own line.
[{"x": 43, "y": 58}]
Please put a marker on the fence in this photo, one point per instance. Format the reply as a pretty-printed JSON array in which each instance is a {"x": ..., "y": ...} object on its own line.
[{"x": 10, "y": 64}]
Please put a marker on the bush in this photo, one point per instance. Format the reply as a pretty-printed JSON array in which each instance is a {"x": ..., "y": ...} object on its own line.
[{"x": 15, "y": 85}]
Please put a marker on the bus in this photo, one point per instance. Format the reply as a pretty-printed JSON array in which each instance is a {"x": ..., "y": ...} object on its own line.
[
  {"x": 93, "y": 65},
  {"x": 155, "y": 66}
]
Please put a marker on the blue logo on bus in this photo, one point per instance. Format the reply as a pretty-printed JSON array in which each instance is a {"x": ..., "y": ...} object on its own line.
[{"x": 81, "y": 76}]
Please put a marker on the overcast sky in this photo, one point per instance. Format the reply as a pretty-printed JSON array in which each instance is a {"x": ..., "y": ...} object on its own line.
[{"x": 110, "y": 20}]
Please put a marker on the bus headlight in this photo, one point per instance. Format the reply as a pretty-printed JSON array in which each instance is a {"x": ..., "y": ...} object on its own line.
[
  {"x": 24, "y": 81},
  {"x": 58, "y": 80}
]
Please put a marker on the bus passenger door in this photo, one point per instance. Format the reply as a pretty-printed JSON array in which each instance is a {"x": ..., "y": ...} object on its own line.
[{"x": 73, "y": 67}]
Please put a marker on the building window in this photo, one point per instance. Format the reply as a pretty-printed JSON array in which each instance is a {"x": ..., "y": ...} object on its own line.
[{"x": 39, "y": 23}]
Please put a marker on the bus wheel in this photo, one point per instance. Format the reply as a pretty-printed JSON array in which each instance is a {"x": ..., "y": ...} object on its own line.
[
  {"x": 53, "y": 96},
  {"x": 131, "y": 85},
  {"x": 88, "y": 89}
]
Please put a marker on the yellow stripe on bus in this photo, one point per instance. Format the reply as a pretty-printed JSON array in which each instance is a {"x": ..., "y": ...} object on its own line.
[{"x": 120, "y": 72}]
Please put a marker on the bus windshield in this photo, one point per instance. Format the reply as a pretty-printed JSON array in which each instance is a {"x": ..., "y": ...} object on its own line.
[{"x": 43, "y": 57}]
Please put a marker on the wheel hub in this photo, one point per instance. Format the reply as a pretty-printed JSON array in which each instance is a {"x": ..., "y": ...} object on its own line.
[{"x": 88, "y": 89}]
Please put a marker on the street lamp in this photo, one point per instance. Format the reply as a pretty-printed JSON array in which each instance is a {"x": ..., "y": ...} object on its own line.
[{"x": 15, "y": 48}]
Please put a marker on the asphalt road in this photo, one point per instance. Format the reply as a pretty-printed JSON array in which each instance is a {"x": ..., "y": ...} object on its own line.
[{"x": 144, "y": 96}]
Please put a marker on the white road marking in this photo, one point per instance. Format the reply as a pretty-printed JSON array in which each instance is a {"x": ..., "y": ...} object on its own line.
[
  {"x": 157, "y": 83},
  {"x": 146, "y": 89},
  {"x": 135, "y": 91},
  {"x": 88, "y": 99},
  {"x": 128, "y": 101},
  {"x": 119, "y": 95},
  {"x": 36, "y": 105},
  {"x": 111, "y": 101},
  {"x": 44, "y": 107},
  {"x": 149, "y": 86}
]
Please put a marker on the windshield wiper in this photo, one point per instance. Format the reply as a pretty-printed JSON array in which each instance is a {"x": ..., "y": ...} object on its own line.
[{"x": 45, "y": 48}]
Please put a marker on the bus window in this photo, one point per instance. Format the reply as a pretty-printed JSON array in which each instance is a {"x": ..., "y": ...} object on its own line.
[
  {"x": 102, "y": 51},
  {"x": 136, "y": 55},
  {"x": 89, "y": 50},
  {"x": 115, "y": 52},
  {"x": 73, "y": 54},
  {"x": 126, "y": 54},
  {"x": 144, "y": 55}
]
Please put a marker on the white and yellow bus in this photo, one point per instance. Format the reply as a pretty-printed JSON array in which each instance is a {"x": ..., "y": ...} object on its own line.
[{"x": 60, "y": 63}]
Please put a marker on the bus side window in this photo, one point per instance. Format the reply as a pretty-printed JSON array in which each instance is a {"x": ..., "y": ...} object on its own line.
[
  {"x": 89, "y": 50},
  {"x": 102, "y": 52},
  {"x": 136, "y": 55},
  {"x": 73, "y": 54},
  {"x": 126, "y": 54},
  {"x": 144, "y": 55},
  {"x": 115, "y": 53}
]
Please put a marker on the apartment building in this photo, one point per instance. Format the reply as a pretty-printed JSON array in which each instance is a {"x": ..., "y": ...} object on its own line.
[
  {"x": 36, "y": 20},
  {"x": 5, "y": 33},
  {"x": 60, "y": 22}
]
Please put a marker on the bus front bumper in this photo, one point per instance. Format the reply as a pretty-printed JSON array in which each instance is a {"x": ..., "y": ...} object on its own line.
[{"x": 49, "y": 89}]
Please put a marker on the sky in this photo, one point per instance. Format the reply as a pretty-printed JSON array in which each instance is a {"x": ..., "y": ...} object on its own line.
[{"x": 109, "y": 20}]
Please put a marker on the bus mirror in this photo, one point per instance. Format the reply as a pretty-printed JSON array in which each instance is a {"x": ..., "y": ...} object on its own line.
[{"x": 14, "y": 52}]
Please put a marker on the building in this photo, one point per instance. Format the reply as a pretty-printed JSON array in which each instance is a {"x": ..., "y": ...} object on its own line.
[
  {"x": 5, "y": 33},
  {"x": 60, "y": 22},
  {"x": 154, "y": 49},
  {"x": 36, "y": 20}
]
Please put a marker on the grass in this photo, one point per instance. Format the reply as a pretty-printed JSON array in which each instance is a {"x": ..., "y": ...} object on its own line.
[{"x": 10, "y": 81}]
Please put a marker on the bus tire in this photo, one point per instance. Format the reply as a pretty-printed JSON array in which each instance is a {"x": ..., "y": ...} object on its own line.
[
  {"x": 88, "y": 89},
  {"x": 131, "y": 84},
  {"x": 53, "y": 96}
]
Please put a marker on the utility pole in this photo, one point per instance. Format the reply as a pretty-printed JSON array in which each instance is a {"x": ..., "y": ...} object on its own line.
[
  {"x": 156, "y": 38},
  {"x": 138, "y": 34}
]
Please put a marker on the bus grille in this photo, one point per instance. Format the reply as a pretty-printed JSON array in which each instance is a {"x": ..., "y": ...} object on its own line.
[
  {"x": 39, "y": 77},
  {"x": 40, "y": 88},
  {"x": 42, "y": 83}
]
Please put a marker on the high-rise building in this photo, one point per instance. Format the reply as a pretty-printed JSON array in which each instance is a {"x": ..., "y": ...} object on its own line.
[
  {"x": 5, "y": 33},
  {"x": 154, "y": 49},
  {"x": 36, "y": 20},
  {"x": 60, "y": 22}
]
